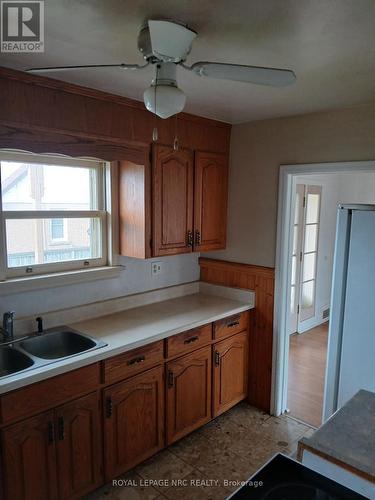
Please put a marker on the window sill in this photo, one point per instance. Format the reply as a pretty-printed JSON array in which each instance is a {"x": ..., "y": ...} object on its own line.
[{"x": 19, "y": 285}]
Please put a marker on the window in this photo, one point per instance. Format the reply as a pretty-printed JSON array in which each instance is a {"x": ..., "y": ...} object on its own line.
[
  {"x": 52, "y": 214},
  {"x": 58, "y": 230}
]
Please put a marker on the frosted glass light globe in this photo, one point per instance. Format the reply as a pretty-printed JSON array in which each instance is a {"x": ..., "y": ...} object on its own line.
[{"x": 170, "y": 100}]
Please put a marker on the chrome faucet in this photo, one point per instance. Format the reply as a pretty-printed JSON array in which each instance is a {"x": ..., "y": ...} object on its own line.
[{"x": 7, "y": 329}]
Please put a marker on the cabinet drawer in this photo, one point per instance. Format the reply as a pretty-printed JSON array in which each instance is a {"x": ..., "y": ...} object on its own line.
[
  {"x": 232, "y": 324},
  {"x": 49, "y": 393},
  {"x": 132, "y": 362},
  {"x": 188, "y": 341}
]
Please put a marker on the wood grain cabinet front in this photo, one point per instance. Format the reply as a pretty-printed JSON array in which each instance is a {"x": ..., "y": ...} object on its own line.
[
  {"x": 230, "y": 372},
  {"x": 210, "y": 201},
  {"x": 133, "y": 421},
  {"x": 79, "y": 446},
  {"x": 132, "y": 362},
  {"x": 229, "y": 326},
  {"x": 56, "y": 454},
  {"x": 173, "y": 180},
  {"x": 29, "y": 459},
  {"x": 188, "y": 341},
  {"x": 188, "y": 393},
  {"x": 184, "y": 194}
]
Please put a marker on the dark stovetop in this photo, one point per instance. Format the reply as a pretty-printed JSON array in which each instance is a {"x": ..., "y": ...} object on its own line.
[{"x": 283, "y": 478}]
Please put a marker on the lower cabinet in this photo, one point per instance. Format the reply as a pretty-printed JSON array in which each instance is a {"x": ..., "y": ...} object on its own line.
[
  {"x": 54, "y": 455},
  {"x": 230, "y": 372},
  {"x": 58, "y": 453},
  {"x": 79, "y": 446},
  {"x": 133, "y": 421},
  {"x": 29, "y": 459},
  {"x": 188, "y": 393}
]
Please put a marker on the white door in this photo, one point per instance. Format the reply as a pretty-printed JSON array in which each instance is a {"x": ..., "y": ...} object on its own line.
[
  {"x": 357, "y": 368},
  {"x": 296, "y": 251},
  {"x": 304, "y": 255},
  {"x": 309, "y": 253}
]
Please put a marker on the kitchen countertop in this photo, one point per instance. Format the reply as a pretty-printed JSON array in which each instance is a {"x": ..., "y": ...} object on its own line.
[
  {"x": 348, "y": 436},
  {"x": 133, "y": 328}
]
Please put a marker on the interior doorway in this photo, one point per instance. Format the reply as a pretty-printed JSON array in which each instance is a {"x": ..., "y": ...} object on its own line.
[{"x": 306, "y": 238}]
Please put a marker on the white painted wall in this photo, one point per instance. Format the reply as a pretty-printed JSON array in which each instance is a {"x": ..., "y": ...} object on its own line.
[
  {"x": 134, "y": 279},
  {"x": 336, "y": 189}
]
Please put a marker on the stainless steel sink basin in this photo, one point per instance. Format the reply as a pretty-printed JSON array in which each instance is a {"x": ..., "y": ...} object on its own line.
[
  {"x": 59, "y": 344},
  {"x": 13, "y": 361}
]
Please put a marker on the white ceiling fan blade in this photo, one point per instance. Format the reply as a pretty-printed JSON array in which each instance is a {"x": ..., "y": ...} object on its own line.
[
  {"x": 170, "y": 41},
  {"x": 239, "y": 73},
  {"x": 56, "y": 69}
]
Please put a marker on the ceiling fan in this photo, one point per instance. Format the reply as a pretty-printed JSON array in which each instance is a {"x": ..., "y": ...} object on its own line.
[{"x": 166, "y": 44}]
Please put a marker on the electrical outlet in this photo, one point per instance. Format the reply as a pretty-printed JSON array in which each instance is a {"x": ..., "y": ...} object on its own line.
[{"x": 156, "y": 268}]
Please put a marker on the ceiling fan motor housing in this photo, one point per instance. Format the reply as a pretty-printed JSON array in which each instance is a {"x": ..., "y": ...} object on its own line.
[{"x": 165, "y": 41}]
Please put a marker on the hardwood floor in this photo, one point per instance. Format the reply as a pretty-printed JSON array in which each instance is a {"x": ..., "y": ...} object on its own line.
[{"x": 307, "y": 363}]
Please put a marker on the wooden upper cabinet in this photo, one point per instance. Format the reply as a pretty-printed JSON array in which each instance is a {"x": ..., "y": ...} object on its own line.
[
  {"x": 29, "y": 459},
  {"x": 133, "y": 421},
  {"x": 230, "y": 372},
  {"x": 173, "y": 179},
  {"x": 188, "y": 393},
  {"x": 171, "y": 202},
  {"x": 210, "y": 201},
  {"x": 79, "y": 446}
]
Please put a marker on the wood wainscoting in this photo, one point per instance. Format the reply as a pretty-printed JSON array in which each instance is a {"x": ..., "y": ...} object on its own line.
[{"x": 262, "y": 281}]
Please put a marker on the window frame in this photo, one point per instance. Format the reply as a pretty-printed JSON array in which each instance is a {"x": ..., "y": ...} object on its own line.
[{"x": 100, "y": 213}]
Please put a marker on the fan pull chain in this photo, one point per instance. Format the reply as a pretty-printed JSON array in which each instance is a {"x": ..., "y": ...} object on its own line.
[
  {"x": 175, "y": 142},
  {"x": 155, "y": 129}
]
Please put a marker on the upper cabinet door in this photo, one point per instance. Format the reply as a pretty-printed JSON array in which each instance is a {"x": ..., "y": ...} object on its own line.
[
  {"x": 173, "y": 178},
  {"x": 210, "y": 201}
]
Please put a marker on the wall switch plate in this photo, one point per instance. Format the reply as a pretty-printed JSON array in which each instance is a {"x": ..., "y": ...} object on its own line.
[{"x": 156, "y": 268}]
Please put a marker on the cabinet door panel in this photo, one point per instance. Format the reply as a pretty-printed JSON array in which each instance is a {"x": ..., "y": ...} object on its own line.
[
  {"x": 210, "y": 201},
  {"x": 29, "y": 459},
  {"x": 133, "y": 421},
  {"x": 172, "y": 200},
  {"x": 79, "y": 446},
  {"x": 188, "y": 393},
  {"x": 230, "y": 372}
]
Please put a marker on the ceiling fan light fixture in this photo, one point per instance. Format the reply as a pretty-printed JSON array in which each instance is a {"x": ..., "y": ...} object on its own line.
[{"x": 170, "y": 100}]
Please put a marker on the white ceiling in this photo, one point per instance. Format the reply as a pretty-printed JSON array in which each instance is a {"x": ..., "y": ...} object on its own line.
[{"x": 330, "y": 44}]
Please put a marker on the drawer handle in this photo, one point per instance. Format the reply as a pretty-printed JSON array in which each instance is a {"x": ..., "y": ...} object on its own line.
[
  {"x": 135, "y": 361},
  {"x": 233, "y": 323},
  {"x": 191, "y": 340},
  {"x": 217, "y": 358}
]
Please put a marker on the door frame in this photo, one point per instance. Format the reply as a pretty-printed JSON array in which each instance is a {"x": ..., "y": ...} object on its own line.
[{"x": 280, "y": 358}]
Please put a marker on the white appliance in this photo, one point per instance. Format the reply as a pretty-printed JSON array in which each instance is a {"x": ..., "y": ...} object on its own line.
[{"x": 351, "y": 341}]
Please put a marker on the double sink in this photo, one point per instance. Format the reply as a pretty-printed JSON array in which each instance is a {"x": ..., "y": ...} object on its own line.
[{"x": 38, "y": 350}]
